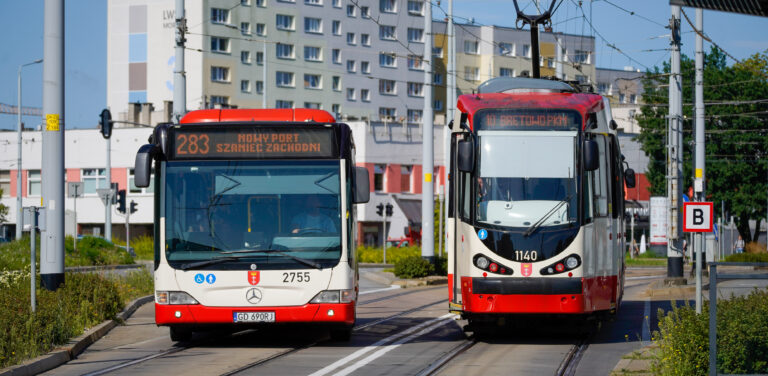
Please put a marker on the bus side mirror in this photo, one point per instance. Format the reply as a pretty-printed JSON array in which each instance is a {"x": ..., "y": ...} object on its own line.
[
  {"x": 629, "y": 177},
  {"x": 466, "y": 156},
  {"x": 591, "y": 155},
  {"x": 362, "y": 191},
  {"x": 143, "y": 168}
]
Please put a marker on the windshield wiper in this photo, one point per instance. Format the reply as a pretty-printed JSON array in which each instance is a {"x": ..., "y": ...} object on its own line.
[
  {"x": 541, "y": 220},
  {"x": 304, "y": 261}
]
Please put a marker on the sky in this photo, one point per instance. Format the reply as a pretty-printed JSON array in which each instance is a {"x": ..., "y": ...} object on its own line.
[{"x": 641, "y": 36}]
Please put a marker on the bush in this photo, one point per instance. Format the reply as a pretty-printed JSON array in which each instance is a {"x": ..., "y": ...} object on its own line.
[
  {"x": 441, "y": 265},
  {"x": 375, "y": 255},
  {"x": 747, "y": 257},
  {"x": 144, "y": 246},
  {"x": 742, "y": 346},
  {"x": 93, "y": 250},
  {"x": 413, "y": 267}
]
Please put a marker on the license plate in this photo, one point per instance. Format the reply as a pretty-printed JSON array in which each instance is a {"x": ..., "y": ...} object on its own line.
[{"x": 254, "y": 317}]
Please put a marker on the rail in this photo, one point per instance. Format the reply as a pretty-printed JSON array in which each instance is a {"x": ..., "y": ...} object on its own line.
[{"x": 713, "y": 279}]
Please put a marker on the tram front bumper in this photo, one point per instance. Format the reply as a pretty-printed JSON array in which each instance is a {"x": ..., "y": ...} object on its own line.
[{"x": 518, "y": 295}]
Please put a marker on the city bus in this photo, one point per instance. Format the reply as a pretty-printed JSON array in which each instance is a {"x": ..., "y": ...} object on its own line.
[
  {"x": 536, "y": 203},
  {"x": 254, "y": 220}
]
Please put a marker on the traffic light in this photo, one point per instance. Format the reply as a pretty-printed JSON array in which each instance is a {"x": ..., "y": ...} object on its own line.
[
  {"x": 389, "y": 210},
  {"x": 380, "y": 209},
  {"x": 133, "y": 206},
  {"x": 105, "y": 122},
  {"x": 121, "y": 201}
]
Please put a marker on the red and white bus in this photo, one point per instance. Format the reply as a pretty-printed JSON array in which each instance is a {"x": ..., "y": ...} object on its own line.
[
  {"x": 254, "y": 219},
  {"x": 536, "y": 202}
]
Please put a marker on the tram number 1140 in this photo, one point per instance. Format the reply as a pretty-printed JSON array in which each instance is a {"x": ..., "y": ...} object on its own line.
[{"x": 524, "y": 255}]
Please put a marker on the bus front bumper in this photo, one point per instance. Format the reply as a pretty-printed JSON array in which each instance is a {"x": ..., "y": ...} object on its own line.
[{"x": 339, "y": 313}]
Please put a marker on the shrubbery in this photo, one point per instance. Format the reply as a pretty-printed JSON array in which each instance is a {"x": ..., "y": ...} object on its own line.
[
  {"x": 375, "y": 255},
  {"x": 747, "y": 257},
  {"x": 90, "y": 251},
  {"x": 742, "y": 345},
  {"x": 413, "y": 267}
]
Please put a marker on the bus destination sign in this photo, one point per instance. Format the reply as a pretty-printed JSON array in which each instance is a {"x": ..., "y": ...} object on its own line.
[
  {"x": 528, "y": 119},
  {"x": 253, "y": 142}
]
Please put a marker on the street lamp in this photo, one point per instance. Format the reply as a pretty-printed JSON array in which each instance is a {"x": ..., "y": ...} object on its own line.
[{"x": 18, "y": 162}]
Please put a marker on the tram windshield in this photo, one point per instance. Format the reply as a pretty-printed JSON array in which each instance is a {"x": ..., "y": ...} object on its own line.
[
  {"x": 275, "y": 214},
  {"x": 526, "y": 178}
]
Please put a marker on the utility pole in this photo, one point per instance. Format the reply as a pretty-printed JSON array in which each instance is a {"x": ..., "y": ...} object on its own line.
[
  {"x": 108, "y": 199},
  {"x": 559, "y": 56},
  {"x": 428, "y": 155},
  {"x": 264, "y": 74},
  {"x": 674, "y": 154},
  {"x": 19, "y": 204},
  {"x": 698, "y": 182},
  {"x": 52, "y": 237},
  {"x": 179, "y": 78},
  {"x": 450, "y": 107}
]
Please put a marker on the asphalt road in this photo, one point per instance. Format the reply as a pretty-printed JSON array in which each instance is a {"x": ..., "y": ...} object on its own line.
[{"x": 398, "y": 332}]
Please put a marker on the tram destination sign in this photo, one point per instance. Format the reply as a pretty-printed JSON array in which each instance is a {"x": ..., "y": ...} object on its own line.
[
  {"x": 532, "y": 119},
  {"x": 253, "y": 142}
]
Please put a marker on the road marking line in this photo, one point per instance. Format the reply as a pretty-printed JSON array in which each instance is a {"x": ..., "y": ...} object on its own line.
[
  {"x": 393, "y": 287},
  {"x": 646, "y": 336},
  {"x": 385, "y": 349},
  {"x": 345, "y": 360}
]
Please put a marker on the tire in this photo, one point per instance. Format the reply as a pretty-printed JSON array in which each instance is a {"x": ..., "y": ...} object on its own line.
[
  {"x": 180, "y": 334},
  {"x": 341, "y": 334}
]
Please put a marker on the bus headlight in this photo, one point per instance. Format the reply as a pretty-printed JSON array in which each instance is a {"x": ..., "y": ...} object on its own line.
[
  {"x": 334, "y": 296},
  {"x": 174, "y": 297},
  {"x": 571, "y": 262}
]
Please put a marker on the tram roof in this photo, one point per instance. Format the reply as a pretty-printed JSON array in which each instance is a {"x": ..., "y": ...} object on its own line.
[{"x": 271, "y": 115}]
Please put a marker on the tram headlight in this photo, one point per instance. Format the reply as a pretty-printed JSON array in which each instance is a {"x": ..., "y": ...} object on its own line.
[
  {"x": 571, "y": 262},
  {"x": 482, "y": 262},
  {"x": 334, "y": 296},
  {"x": 174, "y": 297}
]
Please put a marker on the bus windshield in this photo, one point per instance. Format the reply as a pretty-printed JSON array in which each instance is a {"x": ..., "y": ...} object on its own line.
[
  {"x": 526, "y": 178},
  {"x": 275, "y": 214}
]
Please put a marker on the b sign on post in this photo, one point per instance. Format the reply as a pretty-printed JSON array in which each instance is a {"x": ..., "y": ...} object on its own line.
[{"x": 697, "y": 216}]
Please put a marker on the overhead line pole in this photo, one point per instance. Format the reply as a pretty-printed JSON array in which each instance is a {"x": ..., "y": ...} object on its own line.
[
  {"x": 700, "y": 167},
  {"x": 674, "y": 153},
  {"x": 428, "y": 154},
  {"x": 179, "y": 78},
  {"x": 450, "y": 109}
]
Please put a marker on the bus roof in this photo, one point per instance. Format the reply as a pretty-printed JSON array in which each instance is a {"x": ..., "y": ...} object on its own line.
[
  {"x": 271, "y": 114},
  {"x": 584, "y": 103}
]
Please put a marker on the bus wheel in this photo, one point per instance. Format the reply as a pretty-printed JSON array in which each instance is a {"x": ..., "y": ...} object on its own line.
[
  {"x": 180, "y": 334},
  {"x": 341, "y": 334}
]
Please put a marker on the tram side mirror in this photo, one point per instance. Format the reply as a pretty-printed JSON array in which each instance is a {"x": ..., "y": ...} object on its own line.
[
  {"x": 143, "y": 167},
  {"x": 629, "y": 177},
  {"x": 466, "y": 156},
  {"x": 613, "y": 124},
  {"x": 463, "y": 121},
  {"x": 591, "y": 155},
  {"x": 362, "y": 191}
]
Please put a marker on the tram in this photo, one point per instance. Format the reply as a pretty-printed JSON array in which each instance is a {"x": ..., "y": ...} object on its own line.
[
  {"x": 536, "y": 202},
  {"x": 254, "y": 220}
]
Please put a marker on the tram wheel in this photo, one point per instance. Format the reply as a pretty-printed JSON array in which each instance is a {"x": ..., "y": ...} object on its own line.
[{"x": 180, "y": 334}]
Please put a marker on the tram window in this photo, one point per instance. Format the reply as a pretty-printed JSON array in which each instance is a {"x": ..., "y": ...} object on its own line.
[
  {"x": 601, "y": 179},
  {"x": 465, "y": 195}
]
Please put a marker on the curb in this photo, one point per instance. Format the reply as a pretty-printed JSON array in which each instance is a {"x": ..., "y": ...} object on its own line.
[
  {"x": 426, "y": 281},
  {"x": 75, "y": 346},
  {"x": 366, "y": 265},
  {"x": 379, "y": 277}
]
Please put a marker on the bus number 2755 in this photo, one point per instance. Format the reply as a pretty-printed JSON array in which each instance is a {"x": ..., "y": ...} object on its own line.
[{"x": 295, "y": 276}]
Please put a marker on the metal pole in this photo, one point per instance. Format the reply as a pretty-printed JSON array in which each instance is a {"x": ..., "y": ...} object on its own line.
[
  {"x": 128, "y": 229},
  {"x": 428, "y": 155},
  {"x": 384, "y": 235},
  {"x": 440, "y": 222},
  {"x": 559, "y": 57},
  {"x": 700, "y": 163},
  {"x": 108, "y": 199},
  {"x": 674, "y": 156},
  {"x": 713, "y": 320},
  {"x": 33, "y": 251},
  {"x": 74, "y": 242},
  {"x": 264, "y": 75},
  {"x": 19, "y": 204},
  {"x": 179, "y": 78},
  {"x": 52, "y": 238},
  {"x": 450, "y": 108}
]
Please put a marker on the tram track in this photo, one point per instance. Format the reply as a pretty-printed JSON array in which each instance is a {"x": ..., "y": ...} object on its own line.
[{"x": 571, "y": 360}]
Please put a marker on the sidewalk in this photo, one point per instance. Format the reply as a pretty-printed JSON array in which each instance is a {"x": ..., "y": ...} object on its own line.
[{"x": 376, "y": 273}]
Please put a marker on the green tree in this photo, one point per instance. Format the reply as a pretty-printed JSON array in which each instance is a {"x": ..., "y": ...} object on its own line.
[
  {"x": 736, "y": 110},
  {"x": 3, "y": 209}
]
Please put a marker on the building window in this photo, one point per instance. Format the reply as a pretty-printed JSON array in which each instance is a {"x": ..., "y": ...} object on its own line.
[
  {"x": 245, "y": 86},
  {"x": 337, "y": 3},
  {"x": 5, "y": 182},
  {"x": 350, "y": 10},
  {"x": 312, "y": 81},
  {"x": 287, "y": 1},
  {"x": 388, "y": 6},
  {"x": 284, "y": 79},
  {"x": 351, "y": 39},
  {"x": 506, "y": 49},
  {"x": 313, "y": 25},
  {"x": 415, "y": 35},
  {"x": 93, "y": 179},
  {"x": 415, "y": 7},
  {"x": 245, "y": 3},
  {"x": 365, "y": 12},
  {"x": 387, "y": 60},
  {"x": 387, "y": 32},
  {"x": 351, "y": 94},
  {"x": 351, "y": 68},
  {"x": 415, "y": 62},
  {"x": 405, "y": 171},
  {"x": 365, "y": 39},
  {"x": 313, "y": 53},
  {"x": 582, "y": 78},
  {"x": 313, "y": 105},
  {"x": 336, "y": 27},
  {"x": 387, "y": 87},
  {"x": 526, "y": 52},
  {"x": 622, "y": 98},
  {"x": 336, "y": 110},
  {"x": 581, "y": 57},
  {"x": 506, "y": 72},
  {"x": 336, "y": 56},
  {"x": 365, "y": 67},
  {"x": 245, "y": 57},
  {"x": 133, "y": 189},
  {"x": 437, "y": 52},
  {"x": 633, "y": 98},
  {"x": 219, "y": 44},
  {"x": 604, "y": 88},
  {"x": 415, "y": 116},
  {"x": 378, "y": 177},
  {"x": 284, "y": 51},
  {"x": 471, "y": 47},
  {"x": 260, "y": 87},
  {"x": 283, "y": 104},
  {"x": 336, "y": 83},
  {"x": 261, "y": 29},
  {"x": 365, "y": 95},
  {"x": 219, "y": 74},
  {"x": 437, "y": 78},
  {"x": 471, "y": 73},
  {"x": 437, "y": 105},
  {"x": 313, "y": 2},
  {"x": 219, "y": 16},
  {"x": 415, "y": 89},
  {"x": 245, "y": 28},
  {"x": 219, "y": 101},
  {"x": 284, "y": 22},
  {"x": 261, "y": 3},
  {"x": 387, "y": 113},
  {"x": 259, "y": 58}
]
